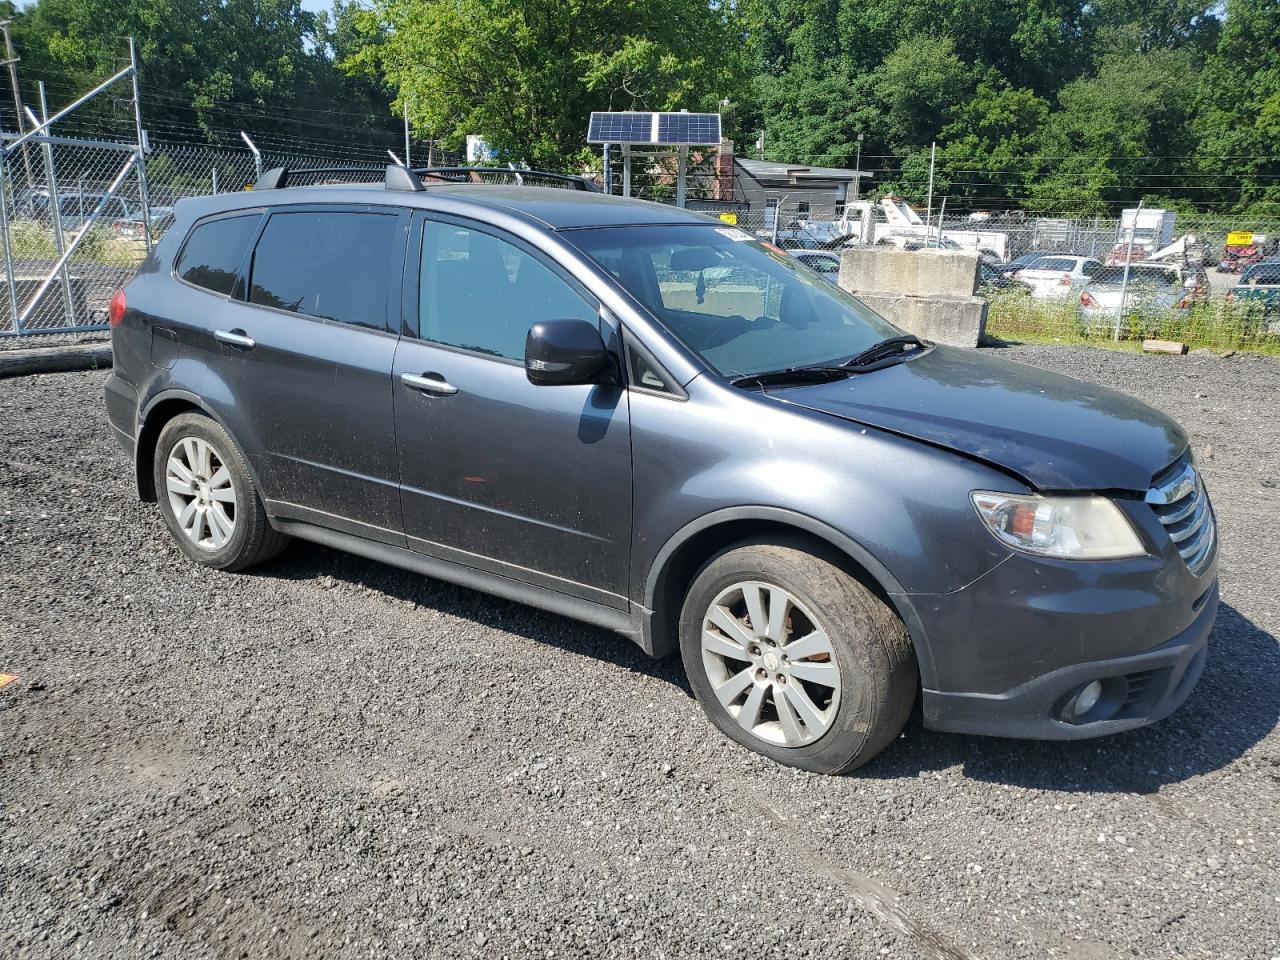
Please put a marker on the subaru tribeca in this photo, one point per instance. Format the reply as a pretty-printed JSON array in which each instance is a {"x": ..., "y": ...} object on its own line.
[{"x": 651, "y": 421}]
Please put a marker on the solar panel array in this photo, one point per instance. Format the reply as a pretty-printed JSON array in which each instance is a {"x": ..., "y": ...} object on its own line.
[{"x": 635, "y": 127}]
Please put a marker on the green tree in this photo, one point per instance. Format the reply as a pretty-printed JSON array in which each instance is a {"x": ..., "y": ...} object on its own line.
[
  {"x": 1118, "y": 134},
  {"x": 526, "y": 75},
  {"x": 1237, "y": 117},
  {"x": 990, "y": 142}
]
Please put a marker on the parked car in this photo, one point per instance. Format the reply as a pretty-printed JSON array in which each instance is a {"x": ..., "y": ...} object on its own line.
[
  {"x": 1153, "y": 291},
  {"x": 1023, "y": 260},
  {"x": 992, "y": 282},
  {"x": 1058, "y": 276},
  {"x": 824, "y": 515},
  {"x": 132, "y": 227},
  {"x": 824, "y": 263},
  {"x": 1260, "y": 283},
  {"x": 75, "y": 207}
]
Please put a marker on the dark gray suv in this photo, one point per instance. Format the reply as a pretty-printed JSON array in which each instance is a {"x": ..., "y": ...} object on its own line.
[{"x": 651, "y": 421}]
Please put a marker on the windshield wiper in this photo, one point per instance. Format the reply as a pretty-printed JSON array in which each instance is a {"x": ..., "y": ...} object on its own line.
[
  {"x": 891, "y": 349},
  {"x": 817, "y": 374}
]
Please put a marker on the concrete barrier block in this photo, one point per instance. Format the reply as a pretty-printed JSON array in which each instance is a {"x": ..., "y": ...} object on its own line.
[
  {"x": 921, "y": 273},
  {"x": 955, "y": 321}
]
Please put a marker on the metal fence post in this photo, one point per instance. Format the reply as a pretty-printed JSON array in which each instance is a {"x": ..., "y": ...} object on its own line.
[
  {"x": 257, "y": 157},
  {"x": 55, "y": 209},
  {"x": 8, "y": 242},
  {"x": 1128, "y": 256},
  {"x": 143, "y": 195}
]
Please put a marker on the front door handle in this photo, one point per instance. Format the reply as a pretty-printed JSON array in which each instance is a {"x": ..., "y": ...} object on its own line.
[
  {"x": 429, "y": 383},
  {"x": 237, "y": 338}
]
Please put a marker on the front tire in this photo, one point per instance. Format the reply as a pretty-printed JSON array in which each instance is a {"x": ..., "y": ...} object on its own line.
[
  {"x": 795, "y": 659},
  {"x": 208, "y": 497}
]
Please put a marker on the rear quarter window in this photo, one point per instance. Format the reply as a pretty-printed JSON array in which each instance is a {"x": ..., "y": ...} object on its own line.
[{"x": 214, "y": 250}]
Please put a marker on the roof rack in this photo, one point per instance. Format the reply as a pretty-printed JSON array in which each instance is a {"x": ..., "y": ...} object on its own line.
[
  {"x": 479, "y": 174},
  {"x": 396, "y": 177}
]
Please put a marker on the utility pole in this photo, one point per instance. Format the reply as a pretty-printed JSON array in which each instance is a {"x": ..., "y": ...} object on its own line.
[
  {"x": 11, "y": 61},
  {"x": 933, "y": 152}
]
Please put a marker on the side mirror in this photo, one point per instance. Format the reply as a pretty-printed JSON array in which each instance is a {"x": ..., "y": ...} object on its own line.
[{"x": 558, "y": 352}]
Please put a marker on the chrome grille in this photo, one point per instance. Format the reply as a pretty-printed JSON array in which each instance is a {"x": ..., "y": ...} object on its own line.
[{"x": 1178, "y": 498}]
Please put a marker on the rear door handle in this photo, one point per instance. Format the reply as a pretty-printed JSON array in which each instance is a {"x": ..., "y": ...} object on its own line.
[
  {"x": 429, "y": 383},
  {"x": 237, "y": 338}
]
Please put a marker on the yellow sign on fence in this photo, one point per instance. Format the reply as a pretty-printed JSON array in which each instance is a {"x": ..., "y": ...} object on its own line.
[
  {"x": 1239, "y": 238},
  {"x": 729, "y": 217}
]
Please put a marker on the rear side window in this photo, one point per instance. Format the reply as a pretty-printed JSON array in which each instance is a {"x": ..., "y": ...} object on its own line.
[
  {"x": 1053, "y": 263},
  {"x": 213, "y": 253},
  {"x": 330, "y": 264}
]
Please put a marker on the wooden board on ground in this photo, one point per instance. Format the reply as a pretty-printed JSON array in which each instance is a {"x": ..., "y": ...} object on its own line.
[{"x": 1164, "y": 346}]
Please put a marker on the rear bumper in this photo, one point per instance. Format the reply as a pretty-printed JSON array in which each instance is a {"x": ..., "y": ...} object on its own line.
[
  {"x": 1137, "y": 690},
  {"x": 122, "y": 411}
]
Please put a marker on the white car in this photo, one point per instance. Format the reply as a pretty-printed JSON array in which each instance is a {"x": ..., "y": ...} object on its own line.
[
  {"x": 1058, "y": 276},
  {"x": 825, "y": 262}
]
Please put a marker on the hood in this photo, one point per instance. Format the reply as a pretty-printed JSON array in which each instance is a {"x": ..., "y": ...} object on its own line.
[{"x": 1055, "y": 432}]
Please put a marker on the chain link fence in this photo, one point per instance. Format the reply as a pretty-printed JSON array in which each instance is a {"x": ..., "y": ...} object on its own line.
[
  {"x": 80, "y": 173},
  {"x": 1197, "y": 297}
]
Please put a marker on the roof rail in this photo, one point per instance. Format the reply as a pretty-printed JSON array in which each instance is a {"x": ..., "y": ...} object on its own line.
[
  {"x": 279, "y": 177},
  {"x": 397, "y": 177},
  {"x": 477, "y": 175}
]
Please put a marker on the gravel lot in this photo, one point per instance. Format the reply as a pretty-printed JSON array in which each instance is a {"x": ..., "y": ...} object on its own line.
[{"x": 331, "y": 758}]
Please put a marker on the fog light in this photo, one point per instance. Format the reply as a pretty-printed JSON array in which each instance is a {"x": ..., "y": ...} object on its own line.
[{"x": 1087, "y": 699}]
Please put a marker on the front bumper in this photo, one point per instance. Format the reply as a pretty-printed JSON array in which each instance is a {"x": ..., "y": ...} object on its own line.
[{"x": 1137, "y": 689}]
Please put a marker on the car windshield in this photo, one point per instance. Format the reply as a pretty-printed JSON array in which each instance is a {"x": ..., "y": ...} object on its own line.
[
  {"x": 1262, "y": 274},
  {"x": 741, "y": 305},
  {"x": 1139, "y": 275}
]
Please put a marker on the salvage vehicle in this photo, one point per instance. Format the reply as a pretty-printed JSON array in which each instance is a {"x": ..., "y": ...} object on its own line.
[
  {"x": 1149, "y": 293},
  {"x": 1260, "y": 284},
  {"x": 650, "y": 421},
  {"x": 1057, "y": 276},
  {"x": 1238, "y": 257}
]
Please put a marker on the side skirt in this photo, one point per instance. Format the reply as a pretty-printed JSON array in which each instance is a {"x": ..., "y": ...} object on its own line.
[{"x": 584, "y": 610}]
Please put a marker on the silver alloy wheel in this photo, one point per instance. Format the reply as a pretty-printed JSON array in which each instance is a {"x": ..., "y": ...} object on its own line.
[
  {"x": 201, "y": 493},
  {"x": 771, "y": 664}
]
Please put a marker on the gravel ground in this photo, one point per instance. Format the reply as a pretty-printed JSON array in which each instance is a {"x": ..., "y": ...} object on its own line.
[{"x": 331, "y": 758}]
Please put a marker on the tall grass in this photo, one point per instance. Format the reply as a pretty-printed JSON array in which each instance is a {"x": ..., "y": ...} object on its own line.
[{"x": 1215, "y": 324}]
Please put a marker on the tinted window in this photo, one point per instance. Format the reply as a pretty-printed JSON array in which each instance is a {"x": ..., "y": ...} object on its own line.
[
  {"x": 1054, "y": 263},
  {"x": 481, "y": 293},
  {"x": 214, "y": 252},
  {"x": 334, "y": 265}
]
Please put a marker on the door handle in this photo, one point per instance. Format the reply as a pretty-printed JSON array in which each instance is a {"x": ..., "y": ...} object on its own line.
[
  {"x": 237, "y": 338},
  {"x": 429, "y": 383}
]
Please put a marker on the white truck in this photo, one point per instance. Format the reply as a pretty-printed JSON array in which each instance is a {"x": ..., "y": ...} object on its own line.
[
  {"x": 888, "y": 220},
  {"x": 1149, "y": 231}
]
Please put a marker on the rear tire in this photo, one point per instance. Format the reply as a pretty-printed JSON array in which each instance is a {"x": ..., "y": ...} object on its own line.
[
  {"x": 825, "y": 685},
  {"x": 208, "y": 497}
]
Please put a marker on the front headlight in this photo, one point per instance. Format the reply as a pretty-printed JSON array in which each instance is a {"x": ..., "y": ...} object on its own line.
[{"x": 1070, "y": 528}]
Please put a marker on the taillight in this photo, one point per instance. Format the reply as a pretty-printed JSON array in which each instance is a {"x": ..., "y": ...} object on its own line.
[
  {"x": 1065, "y": 281},
  {"x": 115, "y": 312},
  {"x": 1086, "y": 300}
]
